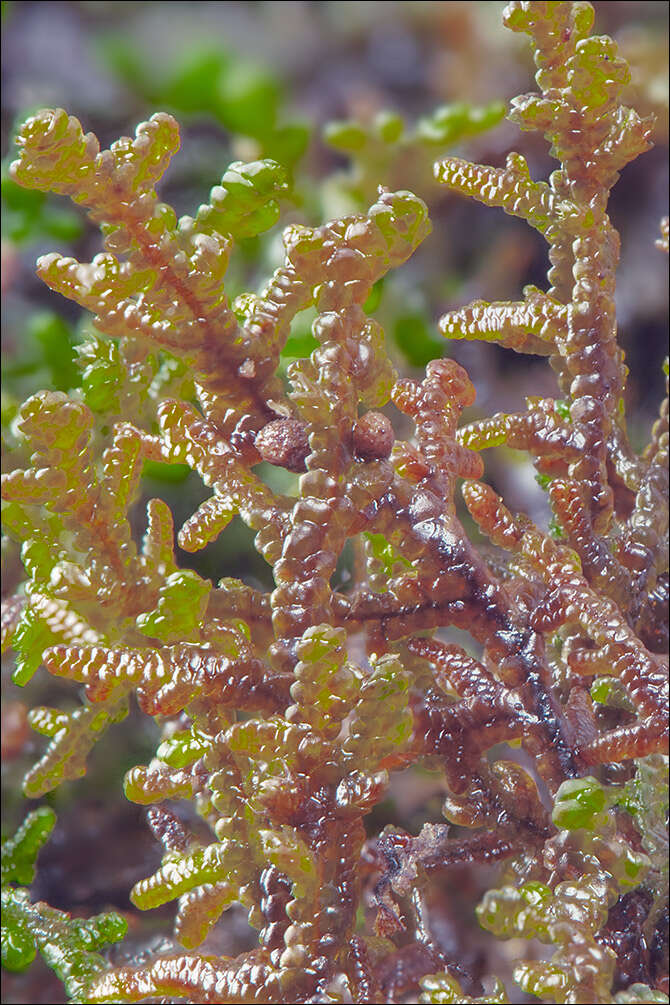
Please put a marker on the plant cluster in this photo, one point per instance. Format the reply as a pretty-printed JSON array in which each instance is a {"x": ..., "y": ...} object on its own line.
[{"x": 283, "y": 713}]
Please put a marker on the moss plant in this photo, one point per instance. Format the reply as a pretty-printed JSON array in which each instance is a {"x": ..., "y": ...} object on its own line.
[{"x": 284, "y": 713}]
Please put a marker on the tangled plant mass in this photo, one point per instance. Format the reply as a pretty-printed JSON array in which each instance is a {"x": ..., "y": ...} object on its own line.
[{"x": 284, "y": 713}]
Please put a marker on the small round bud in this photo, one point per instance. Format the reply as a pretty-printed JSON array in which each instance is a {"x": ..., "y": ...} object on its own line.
[
  {"x": 373, "y": 437},
  {"x": 284, "y": 442}
]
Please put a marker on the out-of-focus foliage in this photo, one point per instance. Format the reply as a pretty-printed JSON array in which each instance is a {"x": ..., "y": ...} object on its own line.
[
  {"x": 239, "y": 94},
  {"x": 68, "y": 945}
]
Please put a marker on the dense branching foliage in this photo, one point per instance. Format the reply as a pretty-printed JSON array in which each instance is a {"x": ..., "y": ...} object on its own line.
[{"x": 283, "y": 713}]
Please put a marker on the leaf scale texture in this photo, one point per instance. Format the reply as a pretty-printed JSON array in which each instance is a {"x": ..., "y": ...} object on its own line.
[{"x": 284, "y": 713}]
